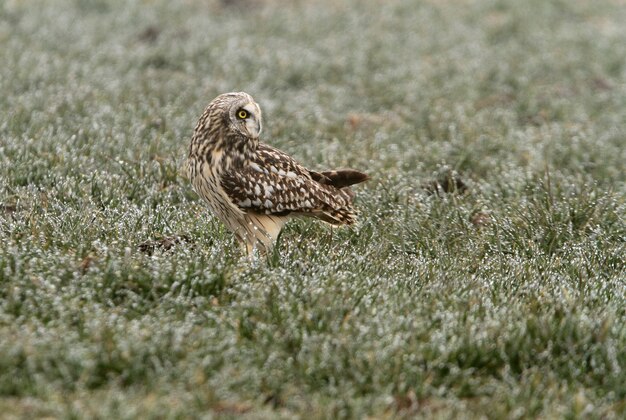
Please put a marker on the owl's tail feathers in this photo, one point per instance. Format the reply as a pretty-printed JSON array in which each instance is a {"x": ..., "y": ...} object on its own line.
[
  {"x": 337, "y": 217},
  {"x": 338, "y": 211},
  {"x": 340, "y": 178}
]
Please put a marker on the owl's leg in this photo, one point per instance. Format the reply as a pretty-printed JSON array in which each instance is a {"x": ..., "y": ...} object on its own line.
[
  {"x": 253, "y": 241},
  {"x": 262, "y": 231},
  {"x": 253, "y": 248},
  {"x": 250, "y": 250}
]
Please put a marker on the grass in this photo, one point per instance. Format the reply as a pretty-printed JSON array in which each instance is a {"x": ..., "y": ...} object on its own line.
[{"x": 504, "y": 297}]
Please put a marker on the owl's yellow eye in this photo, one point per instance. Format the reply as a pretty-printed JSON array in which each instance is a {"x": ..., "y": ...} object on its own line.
[{"x": 243, "y": 114}]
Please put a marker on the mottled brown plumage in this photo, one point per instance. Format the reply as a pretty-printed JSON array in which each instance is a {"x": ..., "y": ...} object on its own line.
[{"x": 254, "y": 188}]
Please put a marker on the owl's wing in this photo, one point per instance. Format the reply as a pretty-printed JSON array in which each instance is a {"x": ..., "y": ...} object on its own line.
[
  {"x": 279, "y": 160},
  {"x": 279, "y": 187}
]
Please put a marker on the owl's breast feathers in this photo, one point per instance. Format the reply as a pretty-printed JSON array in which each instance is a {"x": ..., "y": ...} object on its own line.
[{"x": 273, "y": 183}]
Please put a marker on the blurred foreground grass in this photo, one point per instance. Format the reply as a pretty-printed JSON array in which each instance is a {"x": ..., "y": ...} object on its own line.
[{"x": 504, "y": 300}]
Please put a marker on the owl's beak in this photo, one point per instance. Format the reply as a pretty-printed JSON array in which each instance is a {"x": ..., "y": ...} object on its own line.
[{"x": 254, "y": 127}]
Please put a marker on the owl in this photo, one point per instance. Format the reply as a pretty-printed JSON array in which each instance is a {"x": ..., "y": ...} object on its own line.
[{"x": 254, "y": 188}]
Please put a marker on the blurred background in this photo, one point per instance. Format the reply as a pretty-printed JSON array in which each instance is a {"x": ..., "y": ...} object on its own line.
[{"x": 400, "y": 85}]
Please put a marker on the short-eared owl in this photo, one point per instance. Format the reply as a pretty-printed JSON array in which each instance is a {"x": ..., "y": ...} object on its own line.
[{"x": 254, "y": 188}]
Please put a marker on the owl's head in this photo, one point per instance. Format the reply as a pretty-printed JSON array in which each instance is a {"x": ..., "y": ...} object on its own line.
[{"x": 239, "y": 113}]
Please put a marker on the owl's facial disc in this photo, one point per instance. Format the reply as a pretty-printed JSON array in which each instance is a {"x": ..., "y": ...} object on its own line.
[{"x": 249, "y": 118}]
